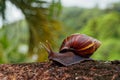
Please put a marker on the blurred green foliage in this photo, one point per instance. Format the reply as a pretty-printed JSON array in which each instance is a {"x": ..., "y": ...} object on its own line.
[
  {"x": 42, "y": 24},
  {"x": 11, "y": 37},
  {"x": 20, "y": 41},
  {"x": 107, "y": 29},
  {"x": 103, "y": 24}
]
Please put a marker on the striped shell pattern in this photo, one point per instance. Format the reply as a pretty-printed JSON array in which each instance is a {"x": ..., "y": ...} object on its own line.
[{"x": 80, "y": 44}]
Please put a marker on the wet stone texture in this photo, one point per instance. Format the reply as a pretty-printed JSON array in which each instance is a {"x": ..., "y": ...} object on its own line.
[{"x": 85, "y": 70}]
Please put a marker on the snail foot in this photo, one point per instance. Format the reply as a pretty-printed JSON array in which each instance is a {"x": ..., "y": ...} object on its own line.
[{"x": 70, "y": 60}]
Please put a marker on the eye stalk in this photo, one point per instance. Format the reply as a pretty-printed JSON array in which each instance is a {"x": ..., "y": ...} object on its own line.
[{"x": 49, "y": 50}]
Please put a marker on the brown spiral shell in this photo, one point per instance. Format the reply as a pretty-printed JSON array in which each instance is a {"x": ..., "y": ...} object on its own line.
[{"x": 80, "y": 44}]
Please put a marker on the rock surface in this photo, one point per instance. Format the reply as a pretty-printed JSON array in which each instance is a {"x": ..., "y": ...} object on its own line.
[{"x": 86, "y": 70}]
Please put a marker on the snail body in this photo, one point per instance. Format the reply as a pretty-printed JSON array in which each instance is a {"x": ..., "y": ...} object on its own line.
[{"x": 74, "y": 48}]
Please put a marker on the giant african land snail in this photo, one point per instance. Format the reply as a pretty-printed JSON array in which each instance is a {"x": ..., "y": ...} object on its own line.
[{"x": 74, "y": 48}]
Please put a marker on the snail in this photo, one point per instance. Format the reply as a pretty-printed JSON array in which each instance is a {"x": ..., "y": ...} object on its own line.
[{"x": 74, "y": 48}]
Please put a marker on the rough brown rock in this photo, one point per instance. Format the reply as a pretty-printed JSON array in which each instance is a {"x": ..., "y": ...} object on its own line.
[{"x": 86, "y": 70}]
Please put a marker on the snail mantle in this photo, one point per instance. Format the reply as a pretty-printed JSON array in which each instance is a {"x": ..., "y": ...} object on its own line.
[{"x": 74, "y": 49}]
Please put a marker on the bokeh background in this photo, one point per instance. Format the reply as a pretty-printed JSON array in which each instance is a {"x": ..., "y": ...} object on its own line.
[{"x": 24, "y": 24}]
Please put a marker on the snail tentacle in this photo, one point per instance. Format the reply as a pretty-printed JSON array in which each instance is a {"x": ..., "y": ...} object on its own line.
[{"x": 48, "y": 48}]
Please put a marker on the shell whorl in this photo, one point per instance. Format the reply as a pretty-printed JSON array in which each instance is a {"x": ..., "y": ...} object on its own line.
[{"x": 80, "y": 44}]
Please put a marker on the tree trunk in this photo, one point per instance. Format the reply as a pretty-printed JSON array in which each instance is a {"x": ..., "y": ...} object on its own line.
[{"x": 85, "y": 70}]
